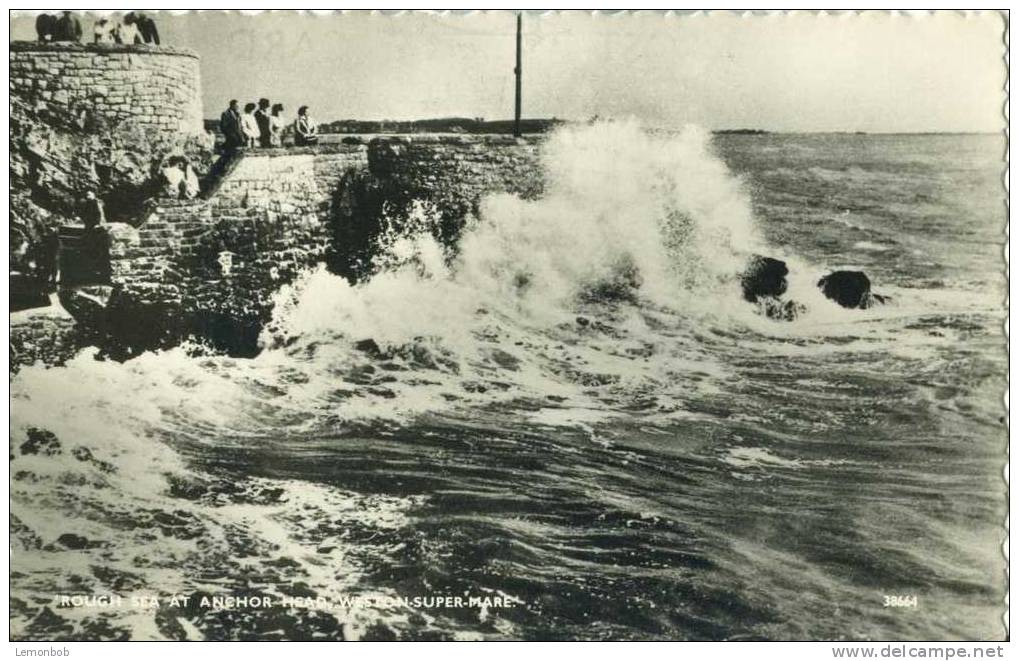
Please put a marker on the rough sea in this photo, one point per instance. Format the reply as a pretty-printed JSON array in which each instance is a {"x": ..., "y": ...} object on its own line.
[{"x": 574, "y": 424}]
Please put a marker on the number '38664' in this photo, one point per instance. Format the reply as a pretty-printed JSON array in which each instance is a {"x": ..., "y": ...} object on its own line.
[{"x": 901, "y": 601}]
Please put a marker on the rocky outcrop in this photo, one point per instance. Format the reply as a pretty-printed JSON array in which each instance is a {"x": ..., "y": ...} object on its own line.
[
  {"x": 781, "y": 310},
  {"x": 850, "y": 289},
  {"x": 94, "y": 118},
  {"x": 764, "y": 283},
  {"x": 53, "y": 165},
  {"x": 763, "y": 277}
]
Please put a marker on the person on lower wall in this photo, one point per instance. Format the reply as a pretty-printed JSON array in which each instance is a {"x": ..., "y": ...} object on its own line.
[
  {"x": 276, "y": 126},
  {"x": 305, "y": 129},
  {"x": 230, "y": 127},
  {"x": 264, "y": 123},
  {"x": 249, "y": 124}
]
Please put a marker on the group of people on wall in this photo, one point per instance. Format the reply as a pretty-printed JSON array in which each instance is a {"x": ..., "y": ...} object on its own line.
[
  {"x": 134, "y": 28},
  {"x": 263, "y": 125}
]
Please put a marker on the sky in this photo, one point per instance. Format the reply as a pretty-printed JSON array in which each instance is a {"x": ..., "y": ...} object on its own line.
[{"x": 875, "y": 72}]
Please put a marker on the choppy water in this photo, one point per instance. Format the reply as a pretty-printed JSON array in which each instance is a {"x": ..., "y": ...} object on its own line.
[{"x": 665, "y": 466}]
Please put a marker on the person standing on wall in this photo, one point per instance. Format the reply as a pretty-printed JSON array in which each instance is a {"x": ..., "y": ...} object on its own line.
[
  {"x": 67, "y": 28},
  {"x": 45, "y": 26},
  {"x": 230, "y": 127},
  {"x": 104, "y": 31},
  {"x": 305, "y": 129},
  {"x": 92, "y": 213},
  {"x": 264, "y": 123},
  {"x": 147, "y": 28},
  {"x": 249, "y": 125},
  {"x": 127, "y": 31},
  {"x": 44, "y": 254}
]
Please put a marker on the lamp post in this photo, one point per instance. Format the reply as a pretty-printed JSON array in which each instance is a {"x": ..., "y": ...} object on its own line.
[{"x": 519, "y": 72}]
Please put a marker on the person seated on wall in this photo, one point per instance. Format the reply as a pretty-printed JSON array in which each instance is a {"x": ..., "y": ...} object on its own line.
[
  {"x": 147, "y": 28},
  {"x": 179, "y": 179},
  {"x": 276, "y": 126},
  {"x": 264, "y": 123},
  {"x": 45, "y": 26},
  {"x": 67, "y": 28},
  {"x": 230, "y": 127},
  {"x": 249, "y": 124},
  {"x": 191, "y": 187},
  {"x": 127, "y": 32},
  {"x": 305, "y": 129},
  {"x": 104, "y": 31}
]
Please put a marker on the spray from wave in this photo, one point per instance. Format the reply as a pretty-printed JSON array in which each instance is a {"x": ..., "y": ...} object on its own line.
[{"x": 625, "y": 214}]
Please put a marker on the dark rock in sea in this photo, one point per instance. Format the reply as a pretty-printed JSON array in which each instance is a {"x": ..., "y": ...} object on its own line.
[
  {"x": 764, "y": 276},
  {"x": 850, "y": 289},
  {"x": 780, "y": 310},
  {"x": 40, "y": 441}
]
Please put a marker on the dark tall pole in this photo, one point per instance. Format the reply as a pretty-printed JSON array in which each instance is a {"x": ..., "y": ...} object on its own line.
[{"x": 519, "y": 72}]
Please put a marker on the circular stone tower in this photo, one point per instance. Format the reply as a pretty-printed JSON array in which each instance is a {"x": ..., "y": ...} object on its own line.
[{"x": 153, "y": 86}]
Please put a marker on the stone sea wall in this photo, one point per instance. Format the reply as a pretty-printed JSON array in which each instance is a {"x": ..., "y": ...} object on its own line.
[
  {"x": 459, "y": 168},
  {"x": 154, "y": 86},
  {"x": 210, "y": 267},
  {"x": 446, "y": 175}
]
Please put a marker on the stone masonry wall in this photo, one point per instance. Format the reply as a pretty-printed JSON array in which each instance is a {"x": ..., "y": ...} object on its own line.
[
  {"x": 278, "y": 212},
  {"x": 448, "y": 167},
  {"x": 270, "y": 213},
  {"x": 448, "y": 173},
  {"x": 156, "y": 87}
]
